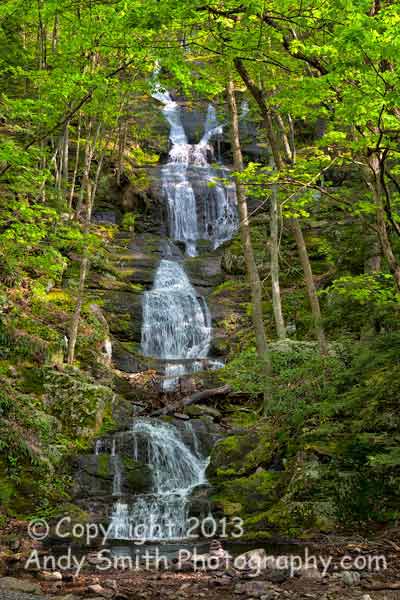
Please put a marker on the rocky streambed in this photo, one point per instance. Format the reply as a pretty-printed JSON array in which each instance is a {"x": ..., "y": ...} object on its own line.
[{"x": 214, "y": 573}]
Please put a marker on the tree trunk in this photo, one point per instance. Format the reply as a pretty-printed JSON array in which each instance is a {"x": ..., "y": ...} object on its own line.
[
  {"x": 374, "y": 178},
  {"x": 251, "y": 267},
  {"x": 274, "y": 254},
  {"x": 310, "y": 285},
  {"x": 73, "y": 330},
  {"x": 65, "y": 157},
  {"x": 76, "y": 165},
  {"x": 285, "y": 140},
  {"x": 298, "y": 234}
]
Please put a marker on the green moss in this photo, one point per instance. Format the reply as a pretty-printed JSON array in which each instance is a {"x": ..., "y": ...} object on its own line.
[
  {"x": 137, "y": 475},
  {"x": 103, "y": 465},
  {"x": 240, "y": 454}
]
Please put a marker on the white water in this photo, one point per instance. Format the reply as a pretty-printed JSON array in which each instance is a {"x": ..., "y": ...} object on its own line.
[
  {"x": 214, "y": 215},
  {"x": 176, "y": 471},
  {"x": 176, "y": 322},
  {"x": 176, "y": 328}
]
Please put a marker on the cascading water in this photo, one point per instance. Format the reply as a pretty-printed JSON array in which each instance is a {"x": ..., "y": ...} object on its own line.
[
  {"x": 176, "y": 323},
  {"x": 176, "y": 471},
  {"x": 176, "y": 329},
  {"x": 214, "y": 216}
]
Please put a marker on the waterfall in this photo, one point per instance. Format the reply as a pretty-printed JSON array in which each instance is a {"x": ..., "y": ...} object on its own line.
[
  {"x": 176, "y": 323},
  {"x": 201, "y": 205},
  {"x": 211, "y": 126},
  {"x": 176, "y": 471},
  {"x": 212, "y": 216}
]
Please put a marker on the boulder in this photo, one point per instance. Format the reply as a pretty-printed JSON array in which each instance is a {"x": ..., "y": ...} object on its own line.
[
  {"x": 50, "y": 575},
  {"x": 20, "y": 585},
  {"x": 255, "y": 589},
  {"x": 101, "y": 591},
  {"x": 351, "y": 578}
]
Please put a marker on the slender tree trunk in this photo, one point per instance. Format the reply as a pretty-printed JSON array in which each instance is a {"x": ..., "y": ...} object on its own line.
[
  {"x": 74, "y": 326},
  {"x": 84, "y": 267},
  {"x": 285, "y": 140},
  {"x": 274, "y": 254},
  {"x": 291, "y": 138},
  {"x": 310, "y": 285},
  {"x": 297, "y": 232},
  {"x": 65, "y": 157},
  {"x": 251, "y": 267},
  {"x": 86, "y": 183},
  {"x": 76, "y": 165},
  {"x": 54, "y": 36},
  {"x": 374, "y": 178}
]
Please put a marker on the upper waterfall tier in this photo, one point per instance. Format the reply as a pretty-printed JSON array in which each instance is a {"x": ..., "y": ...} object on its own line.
[
  {"x": 176, "y": 323},
  {"x": 201, "y": 201}
]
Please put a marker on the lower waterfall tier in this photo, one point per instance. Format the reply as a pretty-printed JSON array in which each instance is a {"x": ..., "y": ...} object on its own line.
[{"x": 176, "y": 471}]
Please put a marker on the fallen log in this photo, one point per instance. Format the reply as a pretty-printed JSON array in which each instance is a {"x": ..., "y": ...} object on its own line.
[{"x": 196, "y": 397}]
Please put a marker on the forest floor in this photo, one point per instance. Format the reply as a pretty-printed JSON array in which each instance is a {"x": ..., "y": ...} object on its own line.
[{"x": 181, "y": 582}]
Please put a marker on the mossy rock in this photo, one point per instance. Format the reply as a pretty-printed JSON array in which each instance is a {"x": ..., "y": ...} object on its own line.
[
  {"x": 253, "y": 494},
  {"x": 75, "y": 399},
  {"x": 199, "y": 410},
  {"x": 242, "y": 453},
  {"x": 137, "y": 478}
]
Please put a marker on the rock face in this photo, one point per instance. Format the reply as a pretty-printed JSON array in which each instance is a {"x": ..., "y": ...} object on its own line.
[
  {"x": 19, "y": 585},
  {"x": 272, "y": 496}
]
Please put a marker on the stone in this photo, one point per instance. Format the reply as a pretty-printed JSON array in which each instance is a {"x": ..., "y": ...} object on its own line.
[
  {"x": 255, "y": 557},
  {"x": 50, "y": 575},
  {"x": 20, "y": 585},
  {"x": 256, "y": 589},
  {"x": 110, "y": 583},
  {"x": 310, "y": 573},
  {"x": 198, "y": 410},
  {"x": 100, "y": 591},
  {"x": 350, "y": 578},
  {"x": 278, "y": 575},
  {"x": 66, "y": 597}
]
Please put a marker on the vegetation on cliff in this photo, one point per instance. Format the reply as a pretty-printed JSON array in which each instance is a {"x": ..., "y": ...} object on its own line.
[{"x": 309, "y": 305}]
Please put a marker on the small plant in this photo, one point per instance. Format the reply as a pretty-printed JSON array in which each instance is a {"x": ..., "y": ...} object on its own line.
[{"x": 128, "y": 221}]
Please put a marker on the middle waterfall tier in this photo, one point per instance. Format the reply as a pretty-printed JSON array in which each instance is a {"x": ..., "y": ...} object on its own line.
[{"x": 176, "y": 322}]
